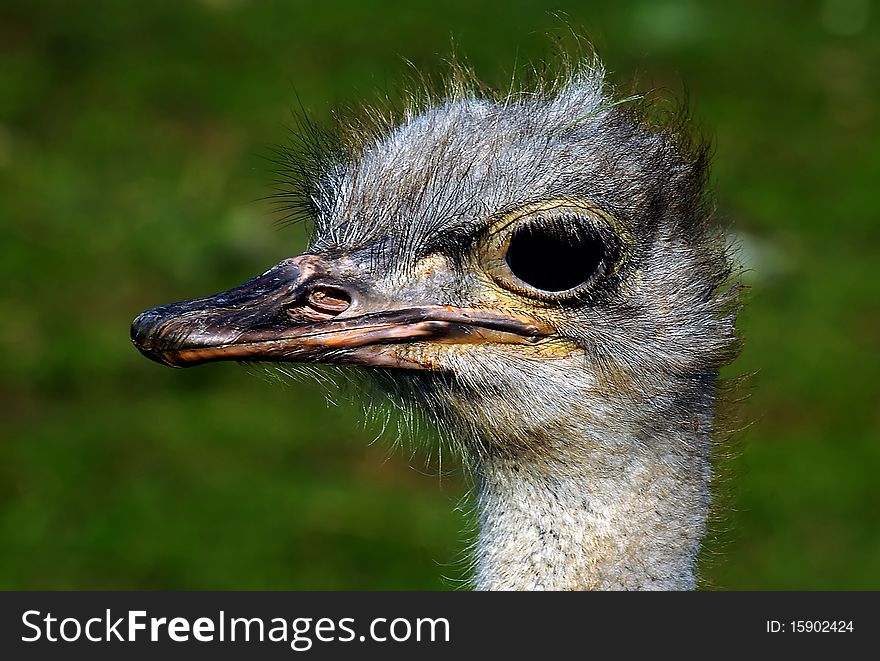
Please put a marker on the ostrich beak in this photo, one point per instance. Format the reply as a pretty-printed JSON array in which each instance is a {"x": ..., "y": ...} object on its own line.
[{"x": 301, "y": 311}]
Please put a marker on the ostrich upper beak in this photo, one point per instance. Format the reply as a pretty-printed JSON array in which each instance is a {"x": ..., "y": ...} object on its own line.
[{"x": 303, "y": 310}]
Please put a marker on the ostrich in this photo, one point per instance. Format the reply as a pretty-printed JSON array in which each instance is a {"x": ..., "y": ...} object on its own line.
[{"x": 539, "y": 274}]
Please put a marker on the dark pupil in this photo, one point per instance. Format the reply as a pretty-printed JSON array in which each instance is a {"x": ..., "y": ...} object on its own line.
[{"x": 554, "y": 258}]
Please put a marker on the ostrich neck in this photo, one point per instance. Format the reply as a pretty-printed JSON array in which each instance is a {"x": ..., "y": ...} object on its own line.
[{"x": 620, "y": 520}]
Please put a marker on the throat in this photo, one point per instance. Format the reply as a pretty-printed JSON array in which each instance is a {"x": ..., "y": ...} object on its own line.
[{"x": 632, "y": 522}]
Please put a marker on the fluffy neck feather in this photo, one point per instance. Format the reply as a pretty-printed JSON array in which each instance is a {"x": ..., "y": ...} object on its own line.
[{"x": 619, "y": 521}]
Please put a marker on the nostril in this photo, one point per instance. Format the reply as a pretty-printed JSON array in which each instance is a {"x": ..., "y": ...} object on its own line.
[
  {"x": 321, "y": 303},
  {"x": 329, "y": 299}
]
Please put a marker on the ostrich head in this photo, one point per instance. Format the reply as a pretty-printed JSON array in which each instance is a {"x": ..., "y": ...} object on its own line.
[{"x": 537, "y": 273}]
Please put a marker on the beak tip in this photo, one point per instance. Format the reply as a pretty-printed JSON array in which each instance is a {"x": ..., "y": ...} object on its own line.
[
  {"x": 144, "y": 330},
  {"x": 140, "y": 327}
]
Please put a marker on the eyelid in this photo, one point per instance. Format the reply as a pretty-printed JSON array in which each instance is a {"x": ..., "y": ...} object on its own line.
[{"x": 503, "y": 221}]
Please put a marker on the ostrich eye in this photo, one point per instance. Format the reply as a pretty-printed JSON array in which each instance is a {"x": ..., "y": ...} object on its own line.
[
  {"x": 558, "y": 250},
  {"x": 553, "y": 258}
]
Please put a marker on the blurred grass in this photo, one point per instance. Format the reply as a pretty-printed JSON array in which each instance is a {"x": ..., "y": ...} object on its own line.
[{"x": 131, "y": 144}]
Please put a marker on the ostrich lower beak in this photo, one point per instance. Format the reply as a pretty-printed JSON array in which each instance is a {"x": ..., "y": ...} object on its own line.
[{"x": 298, "y": 311}]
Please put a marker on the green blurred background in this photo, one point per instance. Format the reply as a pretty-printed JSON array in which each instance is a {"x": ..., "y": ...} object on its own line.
[{"x": 133, "y": 138}]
